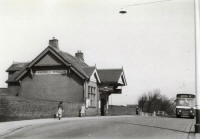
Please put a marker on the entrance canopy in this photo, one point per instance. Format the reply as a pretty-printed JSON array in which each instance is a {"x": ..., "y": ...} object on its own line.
[{"x": 112, "y": 80}]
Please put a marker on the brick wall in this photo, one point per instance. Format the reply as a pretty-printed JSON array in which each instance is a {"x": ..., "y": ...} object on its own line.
[
  {"x": 4, "y": 90},
  {"x": 13, "y": 89},
  {"x": 17, "y": 108},
  {"x": 53, "y": 87}
]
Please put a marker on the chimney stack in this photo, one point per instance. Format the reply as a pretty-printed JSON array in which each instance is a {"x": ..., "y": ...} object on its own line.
[
  {"x": 79, "y": 55},
  {"x": 53, "y": 43}
]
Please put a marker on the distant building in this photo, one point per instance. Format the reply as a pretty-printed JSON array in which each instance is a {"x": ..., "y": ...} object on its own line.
[{"x": 58, "y": 76}]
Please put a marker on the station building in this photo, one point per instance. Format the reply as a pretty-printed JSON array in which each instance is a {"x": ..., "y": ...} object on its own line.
[{"x": 55, "y": 75}]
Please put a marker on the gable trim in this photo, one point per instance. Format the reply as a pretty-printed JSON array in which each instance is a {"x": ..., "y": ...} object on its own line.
[
  {"x": 49, "y": 60},
  {"x": 122, "y": 76},
  {"x": 95, "y": 73},
  {"x": 49, "y": 49}
]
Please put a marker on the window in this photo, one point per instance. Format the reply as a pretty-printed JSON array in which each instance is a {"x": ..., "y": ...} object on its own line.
[{"x": 92, "y": 96}]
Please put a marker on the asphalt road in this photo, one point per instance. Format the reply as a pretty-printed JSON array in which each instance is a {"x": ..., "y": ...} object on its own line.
[{"x": 138, "y": 127}]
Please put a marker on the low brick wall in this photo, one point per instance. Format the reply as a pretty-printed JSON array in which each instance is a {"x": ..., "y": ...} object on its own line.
[
  {"x": 18, "y": 108},
  {"x": 121, "y": 110},
  {"x": 3, "y": 91},
  {"x": 92, "y": 111}
]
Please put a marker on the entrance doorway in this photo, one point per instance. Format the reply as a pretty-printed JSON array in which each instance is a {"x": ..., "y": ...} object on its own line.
[{"x": 103, "y": 107}]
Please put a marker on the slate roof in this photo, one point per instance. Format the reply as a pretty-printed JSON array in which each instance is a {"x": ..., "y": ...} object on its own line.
[
  {"x": 75, "y": 62},
  {"x": 73, "y": 59},
  {"x": 16, "y": 66},
  {"x": 105, "y": 75},
  {"x": 13, "y": 77},
  {"x": 89, "y": 70},
  {"x": 109, "y": 75},
  {"x": 78, "y": 64}
]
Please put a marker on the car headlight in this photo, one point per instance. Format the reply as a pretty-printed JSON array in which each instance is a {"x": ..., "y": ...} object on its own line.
[
  {"x": 191, "y": 111},
  {"x": 179, "y": 111}
]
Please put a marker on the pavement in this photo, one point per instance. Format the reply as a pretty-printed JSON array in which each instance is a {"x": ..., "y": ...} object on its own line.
[
  {"x": 11, "y": 126},
  {"x": 101, "y": 127}
]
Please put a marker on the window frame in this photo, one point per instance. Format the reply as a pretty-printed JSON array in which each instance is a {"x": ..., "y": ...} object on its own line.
[{"x": 92, "y": 96}]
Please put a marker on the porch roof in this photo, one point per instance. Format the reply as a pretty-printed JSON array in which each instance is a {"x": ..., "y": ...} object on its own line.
[{"x": 112, "y": 77}]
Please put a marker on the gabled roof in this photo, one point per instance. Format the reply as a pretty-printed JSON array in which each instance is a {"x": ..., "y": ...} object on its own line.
[
  {"x": 111, "y": 76},
  {"x": 115, "y": 76},
  {"x": 74, "y": 63},
  {"x": 17, "y": 68},
  {"x": 89, "y": 70},
  {"x": 13, "y": 77}
]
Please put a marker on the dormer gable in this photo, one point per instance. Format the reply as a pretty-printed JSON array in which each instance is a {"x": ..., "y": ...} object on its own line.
[
  {"x": 92, "y": 73},
  {"x": 95, "y": 77}
]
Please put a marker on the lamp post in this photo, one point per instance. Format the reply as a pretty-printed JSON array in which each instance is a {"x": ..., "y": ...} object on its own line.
[
  {"x": 197, "y": 61},
  {"x": 197, "y": 64}
]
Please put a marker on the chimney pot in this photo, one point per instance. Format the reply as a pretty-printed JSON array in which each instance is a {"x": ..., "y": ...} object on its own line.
[
  {"x": 54, "y": 43},
  {"x": 79, "y": 55}
]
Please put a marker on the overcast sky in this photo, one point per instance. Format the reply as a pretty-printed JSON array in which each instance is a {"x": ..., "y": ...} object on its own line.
[{"x": 154, "y": 43}]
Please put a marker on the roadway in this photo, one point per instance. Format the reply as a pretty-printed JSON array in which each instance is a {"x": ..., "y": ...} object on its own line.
[{"x": 116, "y": 127}]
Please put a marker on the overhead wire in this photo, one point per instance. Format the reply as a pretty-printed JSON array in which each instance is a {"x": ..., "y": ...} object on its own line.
[{"x": 147, "y": 3}]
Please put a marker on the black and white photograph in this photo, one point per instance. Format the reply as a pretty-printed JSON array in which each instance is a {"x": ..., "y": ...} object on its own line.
[{"x": 99, "y": 69}]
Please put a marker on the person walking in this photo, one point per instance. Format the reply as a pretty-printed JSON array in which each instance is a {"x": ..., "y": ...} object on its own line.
[
  {"x": 137, "y": 110},
  {"x": 82, "y": 111},
  {"x": 60, "y": 110}
]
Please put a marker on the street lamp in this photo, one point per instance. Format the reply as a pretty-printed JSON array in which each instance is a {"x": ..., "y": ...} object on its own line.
[
  {"x": 197, "y": 59},
  {"x": 122, "y": 11},
  {"x": 197, "y": 64}
]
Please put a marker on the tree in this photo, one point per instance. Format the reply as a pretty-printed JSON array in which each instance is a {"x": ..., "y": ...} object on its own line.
[
  {"x": 142, "y": 101},
  {"x": 154, "y": 101}
]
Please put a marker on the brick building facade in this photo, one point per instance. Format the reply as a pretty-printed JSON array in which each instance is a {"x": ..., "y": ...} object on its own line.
[{"x": 55, "y": 75}]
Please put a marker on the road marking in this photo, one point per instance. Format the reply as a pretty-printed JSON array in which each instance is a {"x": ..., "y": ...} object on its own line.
[
  {"x": 175, "y": 130},
  {"x": 190, "y": 132}
]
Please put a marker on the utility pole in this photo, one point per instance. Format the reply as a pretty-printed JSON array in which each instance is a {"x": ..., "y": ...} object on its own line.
[{"x": 197, "y": 64}]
